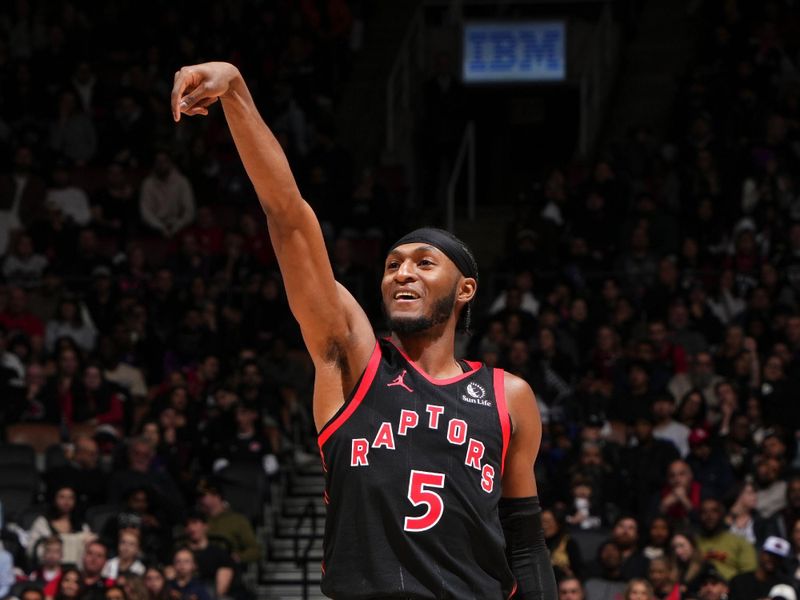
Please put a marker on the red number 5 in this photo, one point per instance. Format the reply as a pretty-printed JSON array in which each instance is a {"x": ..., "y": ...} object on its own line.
[{"x": 417, "y": 494}]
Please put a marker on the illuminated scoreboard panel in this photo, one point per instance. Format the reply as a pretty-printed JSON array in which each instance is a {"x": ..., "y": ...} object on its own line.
[{"x": 514, "y": 52}]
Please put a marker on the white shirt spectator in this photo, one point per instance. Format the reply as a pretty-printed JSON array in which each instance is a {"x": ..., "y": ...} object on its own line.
[
  {"x": 72, "y": 201},
  {"x": 167, "y": 204}
]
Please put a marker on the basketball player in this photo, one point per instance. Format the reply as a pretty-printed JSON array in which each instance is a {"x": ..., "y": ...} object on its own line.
[{"x": 429, "y": 460}]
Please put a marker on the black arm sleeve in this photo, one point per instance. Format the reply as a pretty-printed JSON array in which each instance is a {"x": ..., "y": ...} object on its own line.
[{"x": 525, "y": 549}]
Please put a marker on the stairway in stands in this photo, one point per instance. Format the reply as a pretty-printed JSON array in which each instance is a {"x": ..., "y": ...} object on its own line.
[
  {"x": 665, "y": 40},
  {"x": 294, "y": 531}
]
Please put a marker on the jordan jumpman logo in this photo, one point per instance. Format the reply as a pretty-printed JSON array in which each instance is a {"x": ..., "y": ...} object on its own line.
[{"x": 399, "y": 381}]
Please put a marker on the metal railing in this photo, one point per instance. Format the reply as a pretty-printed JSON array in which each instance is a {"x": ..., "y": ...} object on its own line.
[
  {"x": 466, "y": 155},
  {"x": 301, "y": 558},
  {"x": 597, "y": 80},
  {"x": 400, "y": 83}
]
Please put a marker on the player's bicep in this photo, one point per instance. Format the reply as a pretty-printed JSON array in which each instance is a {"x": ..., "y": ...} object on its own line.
[
  {"x": 518, "y": 477},
  {"x": 328, "y": 317}
]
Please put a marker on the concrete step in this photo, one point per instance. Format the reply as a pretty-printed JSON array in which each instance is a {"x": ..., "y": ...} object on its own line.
[
  {"x": 289, "y": 529},
  {"x": 288, "y": 592}
]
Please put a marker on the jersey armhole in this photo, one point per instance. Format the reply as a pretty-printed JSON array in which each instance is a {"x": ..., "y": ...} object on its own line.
[
  {"x": 350, "y": 406},
  {"x": 502, "y": 412}
]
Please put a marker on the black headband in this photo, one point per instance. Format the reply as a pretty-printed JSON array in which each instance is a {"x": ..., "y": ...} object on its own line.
[{"x": 450, "y": 245}]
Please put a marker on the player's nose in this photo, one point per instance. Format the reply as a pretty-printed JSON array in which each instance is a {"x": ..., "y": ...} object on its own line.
[{"x": 405, "y": 271}]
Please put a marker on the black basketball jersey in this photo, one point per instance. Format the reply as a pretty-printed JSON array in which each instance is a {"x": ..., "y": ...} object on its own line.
[{"x": 413, "y": 468}]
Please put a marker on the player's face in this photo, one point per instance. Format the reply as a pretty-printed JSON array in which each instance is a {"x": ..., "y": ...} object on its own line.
[{"x": 420, "y": 288}]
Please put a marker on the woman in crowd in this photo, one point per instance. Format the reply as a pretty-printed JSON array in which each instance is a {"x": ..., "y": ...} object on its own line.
[
  {"x": 688, "y": 560},
  {"x": 639, "y": 589},
  {"x": 69, "y": 587},
  {"x": 156, "y": 584},
  {"x": 127, "y": 559},
  {"x": 62, "y": 520},
  {"x": 564, "y": 552}
]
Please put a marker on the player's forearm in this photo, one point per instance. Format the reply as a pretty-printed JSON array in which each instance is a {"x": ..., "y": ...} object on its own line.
[
  {"x": 261, "y": 154},
  {"x": 526, "y": 551}
]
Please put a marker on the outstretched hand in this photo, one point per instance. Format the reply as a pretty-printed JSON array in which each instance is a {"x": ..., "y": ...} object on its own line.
[{"x": 198, "y": 86}]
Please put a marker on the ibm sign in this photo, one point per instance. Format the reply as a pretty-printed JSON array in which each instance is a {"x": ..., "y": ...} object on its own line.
[{"x": 514, "y": 52}]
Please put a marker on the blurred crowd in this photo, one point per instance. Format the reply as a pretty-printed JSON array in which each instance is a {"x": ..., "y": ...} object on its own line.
[
  {"x": 652, "y": 300},
  {"x": 144, "y": 332}
]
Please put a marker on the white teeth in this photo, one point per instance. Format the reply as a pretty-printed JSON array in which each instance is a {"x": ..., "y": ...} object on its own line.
[{"x": 405, "y": 296}]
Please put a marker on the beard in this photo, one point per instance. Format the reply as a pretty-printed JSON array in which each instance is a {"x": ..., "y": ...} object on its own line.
[{"x": 442, "y": 309}]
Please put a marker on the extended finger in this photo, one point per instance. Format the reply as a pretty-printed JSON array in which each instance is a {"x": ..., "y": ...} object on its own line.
[
  {"x": 196, "y": 97},
  {"x": 178, "y": 88}
]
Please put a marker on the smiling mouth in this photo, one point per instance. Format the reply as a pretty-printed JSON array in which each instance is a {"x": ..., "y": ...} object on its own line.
[{"x": 405, "y": 297}]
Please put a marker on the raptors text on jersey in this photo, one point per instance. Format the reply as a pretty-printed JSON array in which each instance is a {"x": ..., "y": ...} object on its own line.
[{"x": 413, "y": 468}]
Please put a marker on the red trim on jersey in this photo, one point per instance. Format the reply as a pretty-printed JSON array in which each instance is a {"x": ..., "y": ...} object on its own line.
[
  {"x": 502, "y": 411},
  {"x": 361, "y": 391},
  {"x": 513, "y": 591},
  {"x": 475, "y": 367}
]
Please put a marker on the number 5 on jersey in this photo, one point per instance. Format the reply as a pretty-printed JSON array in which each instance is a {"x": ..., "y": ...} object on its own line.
[{"x": 418, "y": 494}]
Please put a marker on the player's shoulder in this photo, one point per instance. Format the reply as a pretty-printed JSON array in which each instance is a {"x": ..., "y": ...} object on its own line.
[
  {"x": 516, "y": 387},
  {"x": 520, "y": 400}
]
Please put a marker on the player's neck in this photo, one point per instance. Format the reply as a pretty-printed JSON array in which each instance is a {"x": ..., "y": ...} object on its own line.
[{"x": 434, "y": 354}]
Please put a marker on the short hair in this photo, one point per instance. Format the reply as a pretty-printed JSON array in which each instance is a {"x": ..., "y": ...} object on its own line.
[{"x": 31, "y": 588}]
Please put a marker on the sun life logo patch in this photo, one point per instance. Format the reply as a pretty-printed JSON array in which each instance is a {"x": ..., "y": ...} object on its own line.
[{"x": 476, "y": 394}]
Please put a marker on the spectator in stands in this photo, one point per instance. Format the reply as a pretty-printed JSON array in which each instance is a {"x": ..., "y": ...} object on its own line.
[
  {"x": 141, "y": 473},
  {"x": 127, "y": 561},
  {"x": 700, "y": 376},
  {"x": 767, "y": 574},
  {"x": 783, "y": 521},
  {"x": 225, "y": 522},
  {"x": 564, "y": 552},
  {"x": 48, "y": 569},
  {"x": 17, "y": 317},
  {"x": 730, "y": 554},
  {"x": 625, "y": 535},
  {"x": 72, "y": 132},
  {"x": 708, "y": 464},
  {"x": 70, "y": 586},
  {"x": 571, "y": 588},
  {"x": 71, "y": 320},
  {"x": 21, "y": 195},
  {"x": 62, "y": 195},
  {"x": 187, "y": 586},
  {"x": 61, "y": 519},
  {"x": 7, "y": 575},
  {"x": 666, "y": 427},
  {"x": 771, "y": 489},
  {"x": 639, "y": 589},
  {"x": 167, "y": 200},
  {"x": 93, "y": 582},
  {"x": 115, "y": 592},
  {"x": 31, "y": 592},
  {"x": 114, "y": 207},
  {"x": 713, "y": 587},
  {"x": 646, "y": 464},
  {"x": 134, "y": 587},
  {"x": 156, "y": 584},
  {"x": 742, "y": 518},
  {"x": 81, "y": 473},
  {"x": 660, "y": 575},
  {"x": 606, "y": 581},
  {"x": 23, "y": 266},
  {"x": 680, "y": 497},
  {"x": 689, "y": 563},
  {"x": 215, "y": 568},
  {"x": 659, "y": 535}
]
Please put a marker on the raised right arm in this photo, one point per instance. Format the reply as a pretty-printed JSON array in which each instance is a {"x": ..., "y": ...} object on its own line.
[{"x": 335, "y": 328}]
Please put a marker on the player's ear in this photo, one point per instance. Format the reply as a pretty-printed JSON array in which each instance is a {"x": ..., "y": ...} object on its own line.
[{"x": 467, "y": 289}]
